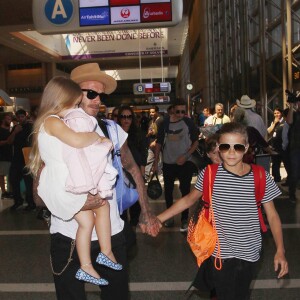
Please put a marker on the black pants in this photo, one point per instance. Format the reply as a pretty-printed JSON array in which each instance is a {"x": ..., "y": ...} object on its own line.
[
  {"x": 69, "y": 288},
  {"x": 184, "y": 174},
  {"x": 17, "y": 172},
  {"x": 134, "y": 214},
  {"x": 276, "y": 162},
  {"x": 233, "y": 281},
  {"x": 294, "y": 171}
]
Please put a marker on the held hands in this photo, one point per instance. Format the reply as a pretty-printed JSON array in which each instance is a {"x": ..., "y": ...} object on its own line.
[
  {"x": 280, "y": 264},
  {"x": 149, "y": 224}
]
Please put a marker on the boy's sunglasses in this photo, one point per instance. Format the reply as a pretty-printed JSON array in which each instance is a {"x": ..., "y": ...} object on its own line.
[
  {"x": 126, "y": 117},
  {"x": 237, "y": 147},
  {"x": 92, "y": 94}
]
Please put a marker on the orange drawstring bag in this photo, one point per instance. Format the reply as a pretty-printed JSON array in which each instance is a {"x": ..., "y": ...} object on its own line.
[{"x": 202, "y": 234}]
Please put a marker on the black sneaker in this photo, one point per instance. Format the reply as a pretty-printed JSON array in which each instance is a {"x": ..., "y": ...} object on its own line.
[
  {"x": 184, "y": 226},
  {"x": 16, "y": 206},
  {"x": 30, "y": 207}
]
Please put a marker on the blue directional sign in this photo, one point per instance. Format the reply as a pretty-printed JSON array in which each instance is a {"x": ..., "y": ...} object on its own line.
[{"x": 59, "y": 12}]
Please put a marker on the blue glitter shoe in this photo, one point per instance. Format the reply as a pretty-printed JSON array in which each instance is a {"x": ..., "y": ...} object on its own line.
[
  {"x": 102, "y": 259},
  {"x": 82, "y": 275}
]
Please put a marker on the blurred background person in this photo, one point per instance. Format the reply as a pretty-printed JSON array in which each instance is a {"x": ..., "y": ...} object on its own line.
[
  {"x": 275, "y": 141},
  {"x": 6, "y": 152},
  {"x": 21, "y": 138},
  {"x": 219, "y": 118},
  {"x": 207, "y": 112},
  {"x": 293, "y": 119},
  {"x": 155, "y": 122},
  {"x": 285, "y": 147},
  {"x": 252, "y": 117},
  {"x": 138, "y": 146}
]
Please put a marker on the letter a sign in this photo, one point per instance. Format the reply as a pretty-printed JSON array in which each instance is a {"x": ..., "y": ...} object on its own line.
[{"x": 59, "y": 12}]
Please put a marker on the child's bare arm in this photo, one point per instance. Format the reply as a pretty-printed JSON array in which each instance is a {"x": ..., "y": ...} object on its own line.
[
  {"x": 275, "y": 225},
  {"x": 180, "y": 205},
  {"x": 59, "y": 129}
]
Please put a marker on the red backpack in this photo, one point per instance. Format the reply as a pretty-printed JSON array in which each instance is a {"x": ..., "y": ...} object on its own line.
[{"x": 259, "y": 183}]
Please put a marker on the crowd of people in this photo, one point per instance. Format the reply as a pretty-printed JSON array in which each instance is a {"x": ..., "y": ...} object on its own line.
[{"x": 70, "y": 170}]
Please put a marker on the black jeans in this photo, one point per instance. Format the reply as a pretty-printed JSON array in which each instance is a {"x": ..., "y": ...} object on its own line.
[
  {"x": 233, "y": 281},
  {"x": 276, "y": 162},
  {"x": 294, "y": 171},
  {"x": 17, "y": 172},
  {"x": 184, "y": 174},
  {"x": 69, "y": 288}
]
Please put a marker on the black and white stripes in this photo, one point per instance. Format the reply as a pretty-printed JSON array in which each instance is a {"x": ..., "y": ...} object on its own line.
[{"x": 236, "y": 214}]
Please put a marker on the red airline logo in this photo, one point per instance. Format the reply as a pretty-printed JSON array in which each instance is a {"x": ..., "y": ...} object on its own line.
[
  {"x": 156, "y": 12},
  {"x": 125, "y": 13}
]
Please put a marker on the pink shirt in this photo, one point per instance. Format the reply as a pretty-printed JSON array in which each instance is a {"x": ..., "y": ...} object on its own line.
[{"x": 88, "y": 167}]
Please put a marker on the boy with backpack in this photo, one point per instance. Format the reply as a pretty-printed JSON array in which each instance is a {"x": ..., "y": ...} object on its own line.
[{"x": 236, "y": 216}]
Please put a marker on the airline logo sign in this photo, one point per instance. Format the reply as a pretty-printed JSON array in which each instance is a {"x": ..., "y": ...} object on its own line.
[
  {"x": 155, "y": 12},
  {"x": 125, "y": 14},
  {"x": 59, "y": 12},
  {"x": 91, "y": 16}
]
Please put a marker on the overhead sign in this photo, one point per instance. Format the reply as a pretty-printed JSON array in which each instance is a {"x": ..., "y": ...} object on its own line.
[
  {"x": 159, "y": 99},
  {"x": 67, "y": 16},
  {"x": 114, "y": 43},
  {"x": 151, "y": 88}
]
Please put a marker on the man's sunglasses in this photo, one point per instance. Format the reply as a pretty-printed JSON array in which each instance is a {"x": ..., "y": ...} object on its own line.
[
  {"x": 129, "y": 117},
  {"x": 92, "y": 94},
  {"x": 180, "y": 111},
  {"x": 240, "y": 148}
]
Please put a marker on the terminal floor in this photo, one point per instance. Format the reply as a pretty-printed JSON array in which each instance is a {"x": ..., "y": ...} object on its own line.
[{"x": 160, "y": 268}]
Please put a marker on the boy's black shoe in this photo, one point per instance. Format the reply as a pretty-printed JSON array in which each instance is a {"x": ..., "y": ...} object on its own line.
[
  {"x": 184, "y": 226},
  {"x": 30, "y": 207}
]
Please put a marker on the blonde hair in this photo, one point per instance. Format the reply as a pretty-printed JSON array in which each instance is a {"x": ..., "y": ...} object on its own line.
[{"x": 60, "y": 93}]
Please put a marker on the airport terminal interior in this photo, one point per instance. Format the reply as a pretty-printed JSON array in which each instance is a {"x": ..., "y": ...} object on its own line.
[{"x": 210, "y": 51}]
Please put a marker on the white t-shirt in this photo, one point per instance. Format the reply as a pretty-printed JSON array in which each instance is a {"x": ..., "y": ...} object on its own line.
[{"x": 69, "y": 228}]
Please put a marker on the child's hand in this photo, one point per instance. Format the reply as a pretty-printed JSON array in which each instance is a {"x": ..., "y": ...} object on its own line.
[
  {"x": 280, "y": 265},
  {"x": 93, "y": 202}
]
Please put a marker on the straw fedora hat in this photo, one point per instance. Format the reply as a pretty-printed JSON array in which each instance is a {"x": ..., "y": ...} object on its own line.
[
  {"x": 246, "y": 102},
  {"x": 92, "y": 72}
]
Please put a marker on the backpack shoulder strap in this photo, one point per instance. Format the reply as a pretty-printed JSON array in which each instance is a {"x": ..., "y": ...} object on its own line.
[
  {"x": 193, "y": 131},
  {"x": 166, "y": 123},
  {"x": 260, "y": 188},
  {"x": 207, "y": 184}
]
